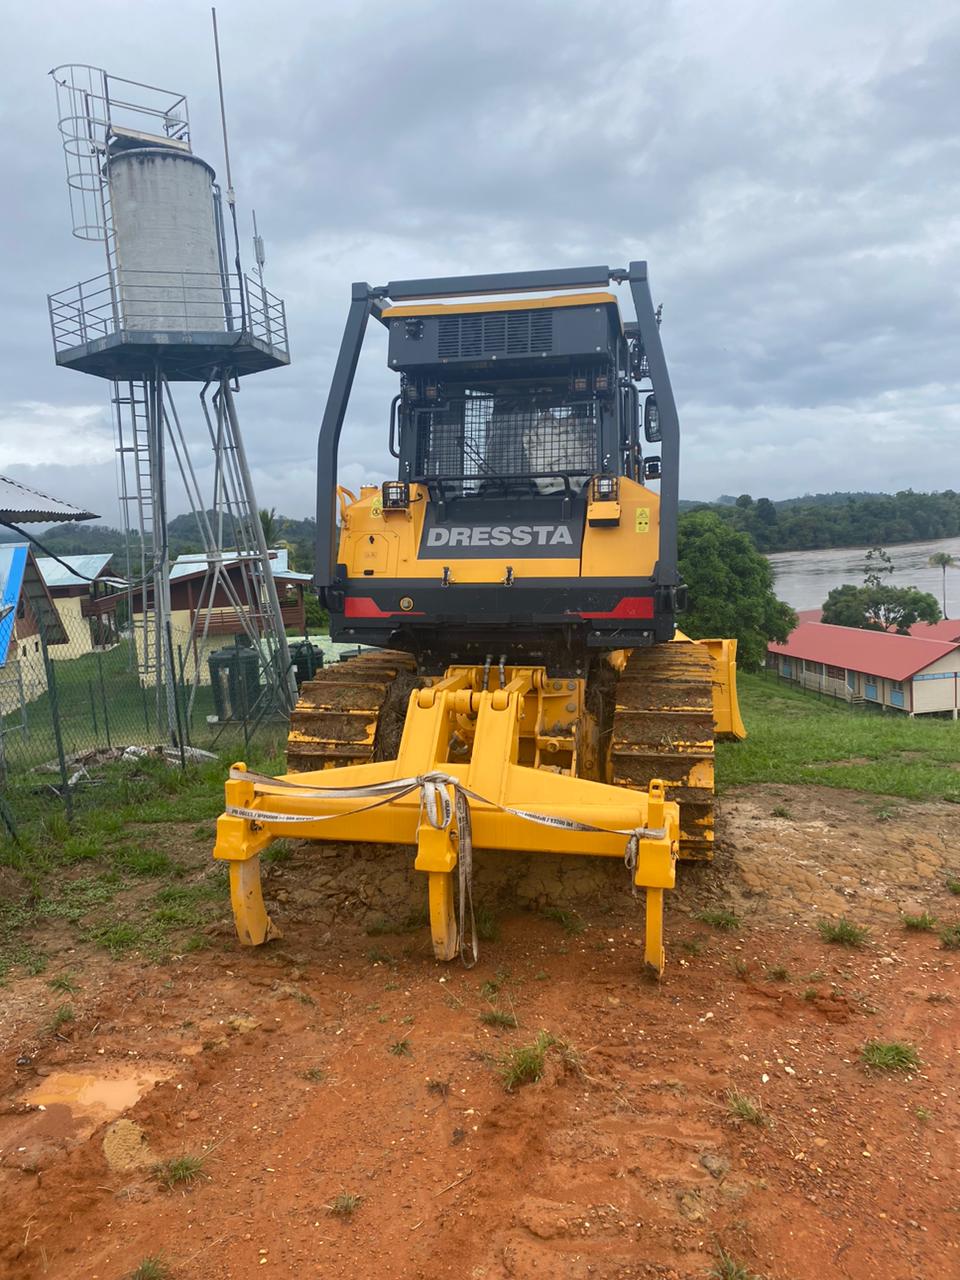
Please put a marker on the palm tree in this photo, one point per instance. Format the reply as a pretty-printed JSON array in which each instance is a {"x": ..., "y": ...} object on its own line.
[
  {"x": 270, "y": 525},
  {"x": 943, "y": 560}
]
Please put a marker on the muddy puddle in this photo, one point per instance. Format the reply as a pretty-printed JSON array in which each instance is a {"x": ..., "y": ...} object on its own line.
[{"x": 70, "y": 1105}]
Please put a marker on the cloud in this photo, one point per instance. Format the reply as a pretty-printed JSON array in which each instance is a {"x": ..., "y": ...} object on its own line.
[
  {"x": 790, "y": 173},
  {"x": 33, "y": 432}
]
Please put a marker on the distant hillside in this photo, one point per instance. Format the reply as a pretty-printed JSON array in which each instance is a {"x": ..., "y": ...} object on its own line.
[
  {"x": 822, "y": 520},
  {"x": 183, "y": 537},
  {"x": 815, "y": 521}
]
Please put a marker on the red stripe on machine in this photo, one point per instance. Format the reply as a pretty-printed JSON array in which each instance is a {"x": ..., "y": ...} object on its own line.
[
  {"x": 628, "y": 607},
  {"x": 366, "y": 607}
]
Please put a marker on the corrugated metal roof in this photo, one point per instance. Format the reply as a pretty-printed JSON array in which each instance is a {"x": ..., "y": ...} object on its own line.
[
  {"x": 875, "y": 653},
  {"x": 19, "y": 575},
  {"x": 195, "y": 562},
  {"x": 945, "y": 629},
  {"x": 84, "y": 568},
  {"x": 19, "y": 504}
]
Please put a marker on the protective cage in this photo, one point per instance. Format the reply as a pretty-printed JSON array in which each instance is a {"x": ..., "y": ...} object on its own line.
[{"x": 544, "y": 442}]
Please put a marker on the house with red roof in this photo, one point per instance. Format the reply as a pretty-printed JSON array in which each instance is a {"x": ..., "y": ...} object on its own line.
[{"x": 918, "y": 674}]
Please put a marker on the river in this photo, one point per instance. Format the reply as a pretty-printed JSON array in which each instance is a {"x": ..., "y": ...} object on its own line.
[{"x": 805, "y": 578}]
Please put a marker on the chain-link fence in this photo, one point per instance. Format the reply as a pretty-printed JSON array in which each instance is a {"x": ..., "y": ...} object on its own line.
[{"x": 74, "y": 696}]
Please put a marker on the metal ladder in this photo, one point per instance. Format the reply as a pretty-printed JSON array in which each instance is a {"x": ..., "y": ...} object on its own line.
[{"x": 136, "y": 488}]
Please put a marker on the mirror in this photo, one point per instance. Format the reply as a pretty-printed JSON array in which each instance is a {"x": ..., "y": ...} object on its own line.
[
  {"x": 651, "y": 420},
  {"x": 652, "y": 469}
]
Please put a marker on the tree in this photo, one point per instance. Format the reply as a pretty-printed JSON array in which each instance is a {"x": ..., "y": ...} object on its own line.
[
  {"x": 766, "y": 511},
  {"x": 316, "y": 616},
  {"x": 270, "y": 525},
  {"x": 880, "y": 608},
  {"x": 730, "y": 587},
  {"x": 943, "y": 560},
  {"x": 877, "y": 565}
]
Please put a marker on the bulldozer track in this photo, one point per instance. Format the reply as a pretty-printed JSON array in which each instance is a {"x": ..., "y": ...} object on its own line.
[
  {"x": 663, "y": 728},
  {"x": 352, "y": 712}
]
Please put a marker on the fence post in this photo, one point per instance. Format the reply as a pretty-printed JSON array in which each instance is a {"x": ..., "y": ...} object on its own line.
[
  {"x": 146, "y": 711},
  {"x": 103, "y": 696},
  {"x": 184, "y": 704},
  {"x": 93, "y": 712},
  {"x": 177, "y": 727},
  {"x": 55, "y": 717}
]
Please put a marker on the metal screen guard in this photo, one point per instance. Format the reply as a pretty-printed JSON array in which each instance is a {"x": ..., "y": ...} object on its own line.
[{"x": 482, "y": 439}]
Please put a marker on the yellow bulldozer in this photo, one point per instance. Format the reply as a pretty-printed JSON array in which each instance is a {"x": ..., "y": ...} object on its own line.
[{"x": 520, "y": 684}]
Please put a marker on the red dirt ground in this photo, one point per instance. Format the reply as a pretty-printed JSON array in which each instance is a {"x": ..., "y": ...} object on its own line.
[{"x": 623, "y": 1161}]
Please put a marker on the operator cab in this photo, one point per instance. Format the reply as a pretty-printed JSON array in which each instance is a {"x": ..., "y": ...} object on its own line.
[
  {"x": 514, "y": 399},
  {"x": 520, "y": 523}
]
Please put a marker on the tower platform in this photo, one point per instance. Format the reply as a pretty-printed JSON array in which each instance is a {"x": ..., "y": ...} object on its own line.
[{"x": 191, "y": 326}]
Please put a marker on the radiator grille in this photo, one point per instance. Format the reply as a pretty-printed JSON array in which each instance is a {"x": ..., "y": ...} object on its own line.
[{"x": 495, "y": 333}]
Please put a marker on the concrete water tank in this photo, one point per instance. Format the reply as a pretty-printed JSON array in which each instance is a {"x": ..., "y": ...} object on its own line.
[{"x": 168, "y": 267}]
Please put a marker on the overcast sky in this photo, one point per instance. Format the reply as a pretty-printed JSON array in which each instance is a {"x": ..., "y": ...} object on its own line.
[{"x": 791, "y": 172}]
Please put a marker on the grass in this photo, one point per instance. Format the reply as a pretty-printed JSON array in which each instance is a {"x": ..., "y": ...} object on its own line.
[
  {"x": 497, "y": 1018},
  {"x": 525, "y": 1064},
  {"x": 400, "y": 1048},
  {"x": 953, "y": 886},
  {"x": 344, "y": 1204},
  {"x": 889, "y": 1055},
  {"x": 721, "y": 919},
  {"x": 795, "y": 737},
  {"x": 950, "y": 937},
  {"x": 76, "y": 873},
  {"x": 488, "y": 924},
  {"x": 280, "y": 851},
  {"x": 569, "y": 921},
  {"x": 137, "y": 861},
  {"x": 778, "y": 973},
  {"x": 182, "y": 1171},
  {"x": 315, "y": 1075},
  {"x": 742, "y": 1107},
  {"x": 492, "y": 986},
  {"x": 118, "y": 938},
  {"x": 780, "y": 811},
  {"x": 152, "y": 1268},
  {"x": 922, "y": 923},
  {"x": 727, "y": 1268},
  {"x": 65, "y": 983},
  {"x": 62, "y": 1017},
  {"x": 842, "y": 932},
  {"x": 692, "y": 946}
]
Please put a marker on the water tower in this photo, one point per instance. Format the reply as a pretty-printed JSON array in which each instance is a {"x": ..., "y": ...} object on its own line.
[{"x": 173, "y": 306}]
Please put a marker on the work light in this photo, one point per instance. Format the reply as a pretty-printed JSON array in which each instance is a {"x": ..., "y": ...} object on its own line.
[
  {"x": 396, "y": 495},
  {"x": 606, "y": 488}
]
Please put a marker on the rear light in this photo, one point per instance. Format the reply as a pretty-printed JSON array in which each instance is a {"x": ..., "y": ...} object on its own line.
[
  {"x": 601, "y": 382},
  {"x": 432, "y": 391},
  {"x": 410, "y": 391},
  {"x": 395, "y": 495},
  {"x": 579, "y": 383}
]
